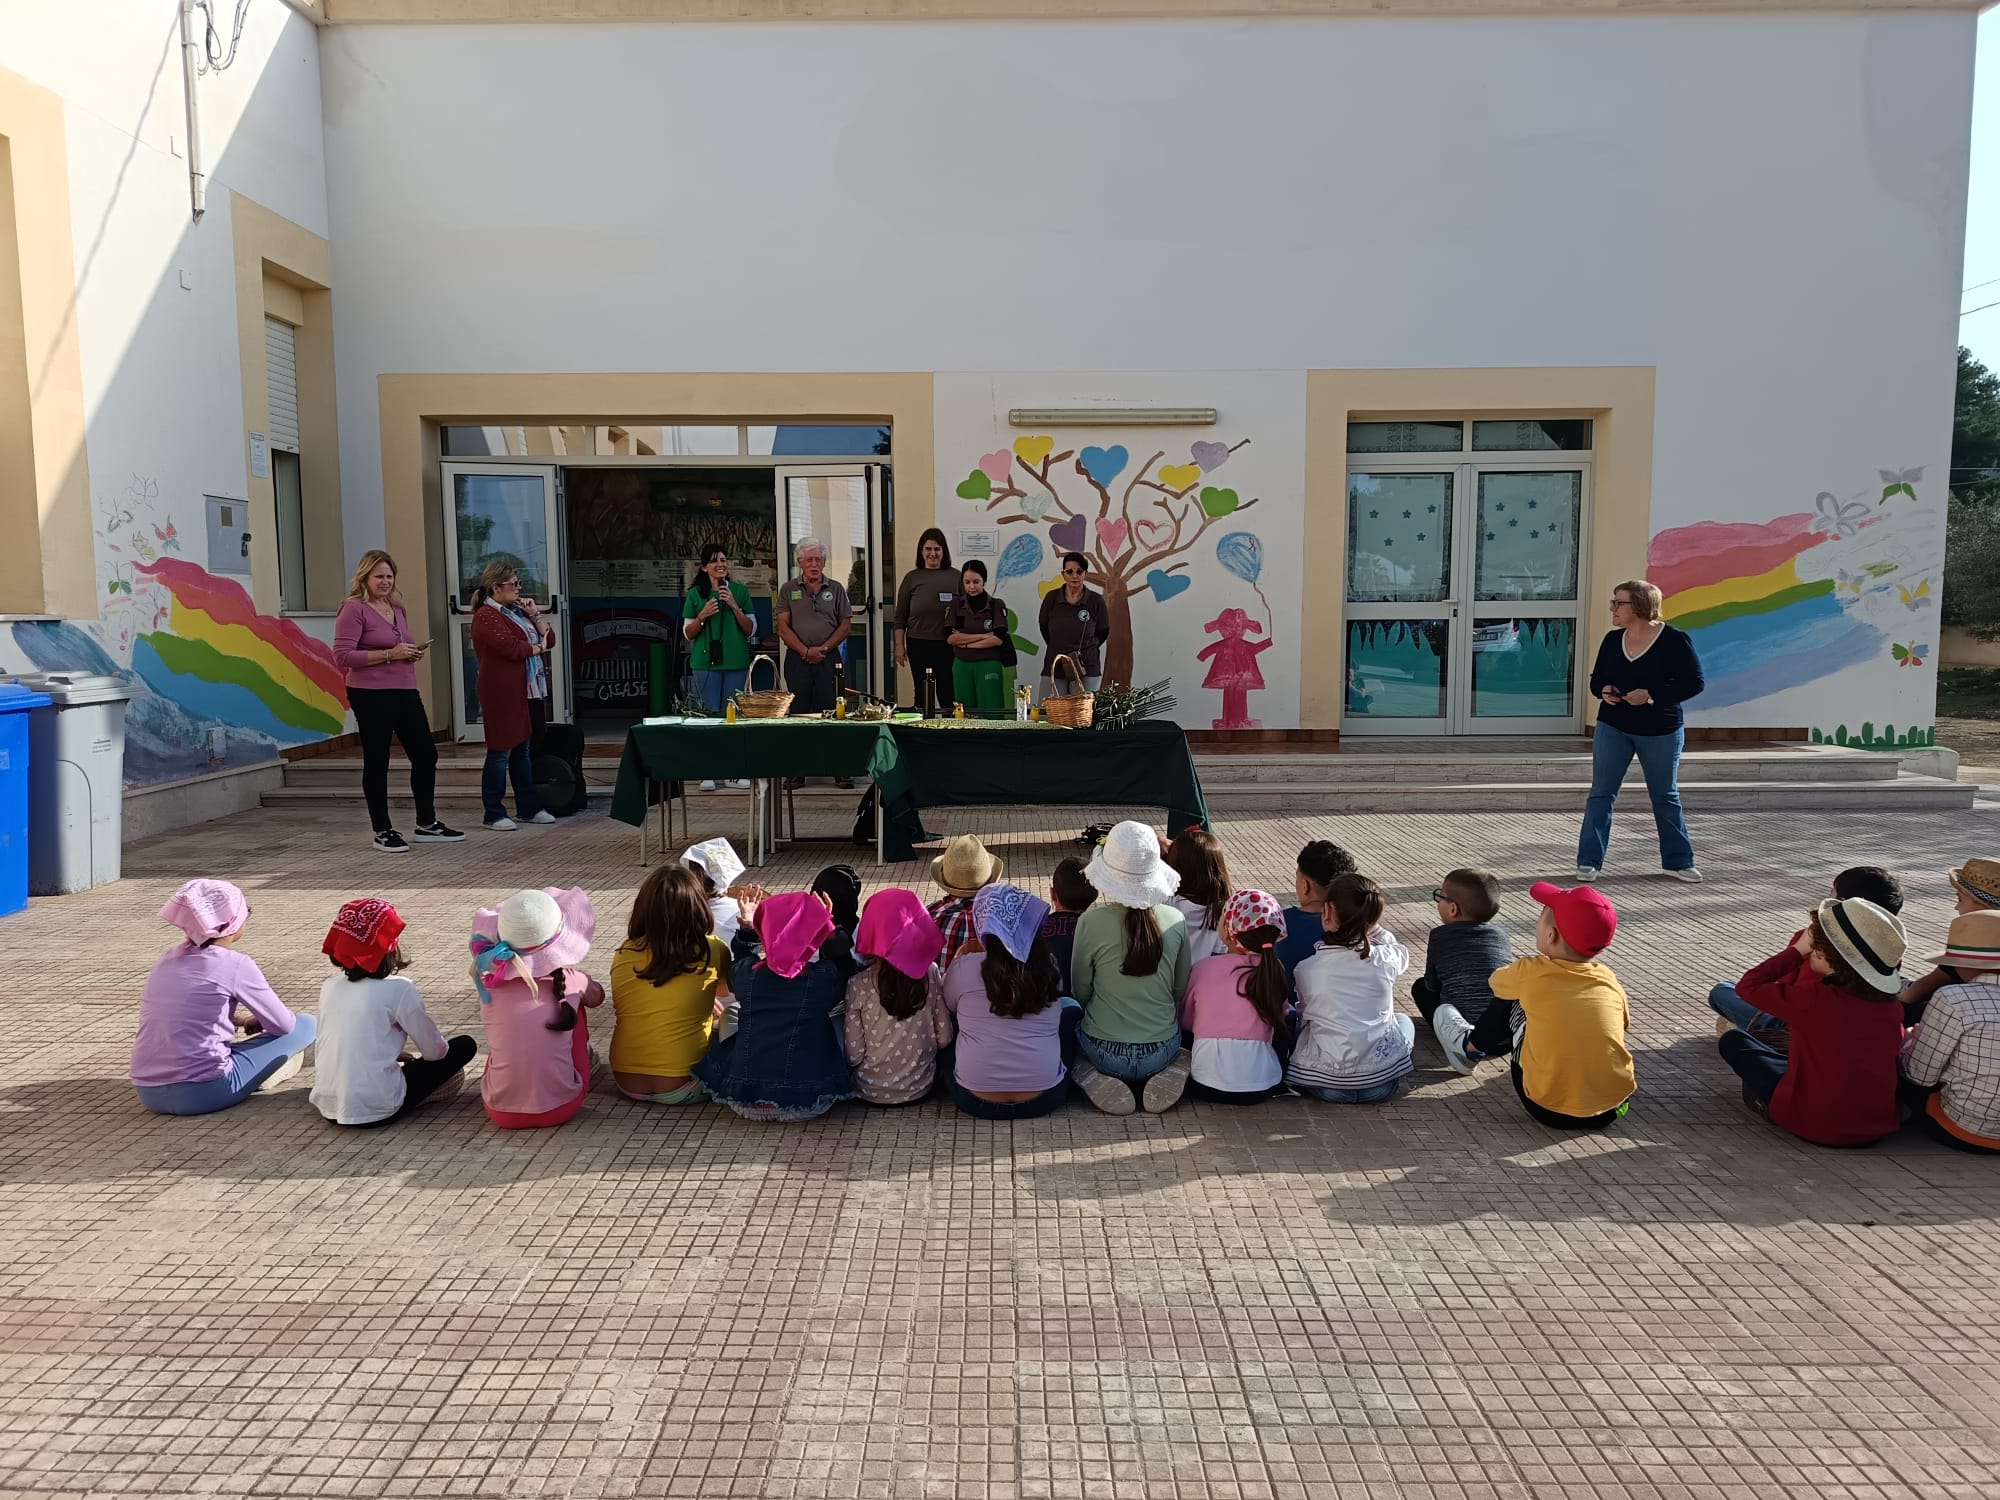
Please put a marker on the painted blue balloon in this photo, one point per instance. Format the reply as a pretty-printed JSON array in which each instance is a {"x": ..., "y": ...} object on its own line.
[
  {"x": 1022, "y": 557},
  {"x": 1242, "y": 554}
]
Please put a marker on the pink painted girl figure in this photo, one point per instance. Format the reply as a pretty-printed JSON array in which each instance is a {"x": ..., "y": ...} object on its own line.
[{"x": 1234, "y": 669}]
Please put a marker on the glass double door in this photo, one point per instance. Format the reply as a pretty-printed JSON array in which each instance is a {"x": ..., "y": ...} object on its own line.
[
  {"x": 1463, "y": 608},
  {"x": 509, "y": 513}
]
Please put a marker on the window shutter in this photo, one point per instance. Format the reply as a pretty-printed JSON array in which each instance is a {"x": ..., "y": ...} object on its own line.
[{"x": 281, "y": 365}]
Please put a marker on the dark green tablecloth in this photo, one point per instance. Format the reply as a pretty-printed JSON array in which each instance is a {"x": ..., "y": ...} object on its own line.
[{"x": 1148, "y": 765}]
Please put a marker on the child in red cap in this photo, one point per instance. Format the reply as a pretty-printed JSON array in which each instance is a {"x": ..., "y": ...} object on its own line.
[
  {"x": 370, "y": 1018},
  {"x": 1571, "y": 1066}
]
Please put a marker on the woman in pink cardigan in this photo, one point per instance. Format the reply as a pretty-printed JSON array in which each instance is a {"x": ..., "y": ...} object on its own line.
[{"x": 373, "y": 645}]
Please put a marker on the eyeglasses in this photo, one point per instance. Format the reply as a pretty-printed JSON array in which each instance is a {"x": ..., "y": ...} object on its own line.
[
  {"x": 1621, "y": 603},
  {"x": 1439, "y": 895}
]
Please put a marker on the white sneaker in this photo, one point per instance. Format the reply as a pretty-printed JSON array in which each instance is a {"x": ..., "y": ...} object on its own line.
[
  {"x": 708, "y": 786},
  {"x": 1451, "y": 1030},
  {"x": 1163, "y": 1090},
  {"x": 1689, "y": 876},
  {"x": 502, "y": 824},
  {"x": 1112, "y": 1095},
  {"x": 544, "y": 816},
  {"x": 289, "y": 1068},
  {"x": 740, "y": 784},
  {"x": 1587, "y": 872}
]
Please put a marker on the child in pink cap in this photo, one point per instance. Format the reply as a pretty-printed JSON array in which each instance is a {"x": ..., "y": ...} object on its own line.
[
  {"x": 187, "y": 1058},
  {"x": 896, "y": 1020}
]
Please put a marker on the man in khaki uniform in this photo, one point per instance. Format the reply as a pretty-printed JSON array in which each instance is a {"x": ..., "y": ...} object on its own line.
[{"x": 813, "y": 619}]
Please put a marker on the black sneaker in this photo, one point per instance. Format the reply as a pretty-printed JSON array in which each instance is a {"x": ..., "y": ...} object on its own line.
[
  {"x": 434, "y": 832},
  {"x": 388, "y": 841},
  {"x": 845, "y": 783}
]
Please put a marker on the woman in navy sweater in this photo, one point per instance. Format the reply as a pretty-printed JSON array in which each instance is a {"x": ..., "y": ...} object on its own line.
[{"x": 1645, "y": 671}]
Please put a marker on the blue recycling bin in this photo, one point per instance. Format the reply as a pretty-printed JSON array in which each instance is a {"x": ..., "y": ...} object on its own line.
[{"x": 15, "y": 701}]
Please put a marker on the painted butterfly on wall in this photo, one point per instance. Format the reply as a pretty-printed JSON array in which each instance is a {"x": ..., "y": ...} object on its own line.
[
  {"x": 1900, "y": 482},
  {"x": 170, "y": 540},
  {"x": 1910, "y": 656},
  {"x": 1915, "y": 598},
  {"x": 1838, "y": 517}
]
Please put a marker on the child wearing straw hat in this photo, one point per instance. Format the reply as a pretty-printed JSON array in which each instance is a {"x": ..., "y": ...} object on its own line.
[
  {"x": 369, "y": 1018},
  {"x": 959, "y": 872},
  {"x": 534, "y": 1001},
  {"x": 1951, "y": 1063},
  {"x": 187, "y": 1058},
  {"x": 896, "y": 1019},
  {"x": 1835, "y": 988}
]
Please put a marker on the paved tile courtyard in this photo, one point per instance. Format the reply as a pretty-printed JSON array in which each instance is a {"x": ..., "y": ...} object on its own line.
[{"x": 1432, "y": 1298}]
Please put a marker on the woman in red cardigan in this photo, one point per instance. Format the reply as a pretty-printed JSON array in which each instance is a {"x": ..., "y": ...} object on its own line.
[{"x": 509, "y": 638}]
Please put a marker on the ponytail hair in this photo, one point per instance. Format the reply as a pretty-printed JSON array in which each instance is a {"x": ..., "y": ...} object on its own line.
[
  {"x": 491, "y": 577},
  {"x": 1264, "y": 984},
  {"x": 1355, "y": 904},
  {"x": 703, "y": 584},
  {"x": 565, "y": 1012},
  {"x": 1144, "y": 947}
]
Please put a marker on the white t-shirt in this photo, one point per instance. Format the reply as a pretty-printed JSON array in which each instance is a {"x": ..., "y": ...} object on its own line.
[
  {"x": 363, "y": 1026},
  {"x": 725, "y": 916},
  {"x": 1203, "y": 940}
]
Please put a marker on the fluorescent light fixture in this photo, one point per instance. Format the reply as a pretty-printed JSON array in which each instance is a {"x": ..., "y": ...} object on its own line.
[{"x": 1112, "y": 416}]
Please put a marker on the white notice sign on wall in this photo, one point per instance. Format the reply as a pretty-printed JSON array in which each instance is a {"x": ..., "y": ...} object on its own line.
[{"x": 260, "y": 456}]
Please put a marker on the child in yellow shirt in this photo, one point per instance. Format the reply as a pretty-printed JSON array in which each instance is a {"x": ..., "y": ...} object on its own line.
[{"x": 1571, "y": 1066}]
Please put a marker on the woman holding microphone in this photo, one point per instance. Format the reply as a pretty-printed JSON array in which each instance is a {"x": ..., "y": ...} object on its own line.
[{"x": 718, "y": 628}]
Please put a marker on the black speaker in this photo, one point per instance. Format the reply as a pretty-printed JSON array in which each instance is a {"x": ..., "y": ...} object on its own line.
[{"x": 558, "y": 767}]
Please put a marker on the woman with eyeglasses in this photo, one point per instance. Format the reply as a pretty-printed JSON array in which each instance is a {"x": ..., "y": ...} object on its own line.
[
  {"x": 1646, "y": 669},
  {"x": 924, "y": 601},
  {"x": 1075, "y": 624},
  {"x": 509, "y": 641}
]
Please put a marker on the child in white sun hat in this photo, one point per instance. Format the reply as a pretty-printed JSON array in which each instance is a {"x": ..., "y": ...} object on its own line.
[
  {"x": 533, "y": 999},
  {"x": 716, "y": 862},
  {"x": 1129, "y": 969}
]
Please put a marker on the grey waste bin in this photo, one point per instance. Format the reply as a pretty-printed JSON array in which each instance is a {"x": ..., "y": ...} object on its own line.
[{"x": 76, "y": 781}]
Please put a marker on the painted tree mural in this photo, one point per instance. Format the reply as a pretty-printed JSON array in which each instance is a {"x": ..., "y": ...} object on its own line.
[{"x": 1137, "y": 534}]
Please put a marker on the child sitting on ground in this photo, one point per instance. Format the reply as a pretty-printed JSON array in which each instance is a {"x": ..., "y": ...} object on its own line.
[
  {"x": 715, "y": 863},
  {"x": 1835, "y": 989},
  {"x": 1071, "y": 895},
  {"x": 1354, "y": 1047},
  {"x": 187, "y": 1058},
  {"x": 668, "y": 980},
  {"x": 784, "y": 1061},
  {"x": 1460, "y": 956},
  {"x": 1130, "y": 970},
  {"x": 1320, "y": 864},
  {"x": 1571, "y": 1066},
  {"x": 1015, "y": 1030},
  {"x": 1858, "y": 882},
  {"x": 1238, "y": 1007},
  {"x": 896, "y": 1019},
  {"x": 1951, "y": 1064},
  {"x": 1196, "y": 854},
  {"x": 532, "y": 999},
  {"x": 1977, "y": 885},
  {"x": 369, "y": 1018}
]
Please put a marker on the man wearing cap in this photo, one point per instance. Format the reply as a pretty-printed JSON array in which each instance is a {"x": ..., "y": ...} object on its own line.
[
  {"x": 813, "y": 619},
  {"x": 1951, "y": 1064},
  {"x": 1571, "y": 1066}
]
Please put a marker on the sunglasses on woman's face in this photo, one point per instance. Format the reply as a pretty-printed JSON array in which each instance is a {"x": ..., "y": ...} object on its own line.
[{"x": 1072, "y": 572}]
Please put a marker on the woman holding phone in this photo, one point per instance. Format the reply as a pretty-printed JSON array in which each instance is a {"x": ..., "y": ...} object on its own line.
[{"x": 372, "y": 643}]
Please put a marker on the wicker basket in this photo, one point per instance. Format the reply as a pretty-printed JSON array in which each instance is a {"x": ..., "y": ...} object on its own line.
[
  {"x": 1071, "y": 711},
  {"x": 767, "y": 703}
]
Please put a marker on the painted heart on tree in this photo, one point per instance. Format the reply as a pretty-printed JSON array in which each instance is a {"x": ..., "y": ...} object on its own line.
[
  {"x": 997, "y": 464},
  {"x": 1211, "y": 456},
  {"x": 1034, "y": 507},
  {"x": 1068, "y": 536},
  {"x": 1165, "y": 585},
  {"x": 1104, "y": 464},
  {"x": 975, "y": 486},
  {"x": 1179, "y": 476},
  {"x": 1032, "y": 450},
  {"x": 1111, "y": 537},
  {"x": 1153, "y": 535},
  {"x": 1217, "y": 502}
]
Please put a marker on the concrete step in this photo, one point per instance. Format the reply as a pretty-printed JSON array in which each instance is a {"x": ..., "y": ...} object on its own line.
[
  {"x": 1805, "y": 763},
  {"x": 1903, "y": 793}
]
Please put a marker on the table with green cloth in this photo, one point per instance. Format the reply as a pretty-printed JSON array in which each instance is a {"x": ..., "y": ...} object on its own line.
[{"x": 920, "y": 764}]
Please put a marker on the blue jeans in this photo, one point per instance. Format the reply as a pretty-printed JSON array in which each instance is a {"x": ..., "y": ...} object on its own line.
[
  {"x": 1725, "y": 1002},
  {"x": 1134, "y": 1062},
  {"x": 715, "y": 689},
  {"x": 1376, "y": 1095},
  {"x": 1659, "y": 755},
  {"x": 500, "y": 764},
  {"x": 251, "y": 1061}
]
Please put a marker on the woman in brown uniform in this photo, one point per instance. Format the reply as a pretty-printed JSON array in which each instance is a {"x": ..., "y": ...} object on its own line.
[{"x": 923, "y": 619}]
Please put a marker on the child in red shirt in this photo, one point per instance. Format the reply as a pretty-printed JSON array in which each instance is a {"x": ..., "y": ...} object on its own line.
[{"x": 1835, "y": 988}]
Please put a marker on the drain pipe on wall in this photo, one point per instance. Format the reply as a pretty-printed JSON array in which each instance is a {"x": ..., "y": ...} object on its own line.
[{"x": 190, "y": 69}]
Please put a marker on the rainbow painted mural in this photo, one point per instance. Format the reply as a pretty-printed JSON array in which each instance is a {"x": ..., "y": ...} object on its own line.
[
  {"x": 1765, "y": 607},
  {"x": 223, "y": 660}
]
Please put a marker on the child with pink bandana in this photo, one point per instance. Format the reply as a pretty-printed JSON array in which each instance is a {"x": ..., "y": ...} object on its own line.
[
  {"x": 187, "y": 1058},
  {"x": 896, "y": 1020}
]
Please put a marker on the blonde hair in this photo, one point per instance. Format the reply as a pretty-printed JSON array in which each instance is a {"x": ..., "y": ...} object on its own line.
[
  {"x": 495, "y": 573},
  {"x": 372, "y": 559},
  {"x": 1645, "y": 598}
]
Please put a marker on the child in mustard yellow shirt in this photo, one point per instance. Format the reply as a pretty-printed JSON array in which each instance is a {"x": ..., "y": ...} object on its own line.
[{"x": 1571, "y": 1066}]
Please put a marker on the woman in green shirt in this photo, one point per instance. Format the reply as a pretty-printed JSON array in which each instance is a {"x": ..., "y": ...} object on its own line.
[
  {"x": 1130, "y": 969},
  {"x": 982, "y": 672},
  {"x": 718, "y": 626}
]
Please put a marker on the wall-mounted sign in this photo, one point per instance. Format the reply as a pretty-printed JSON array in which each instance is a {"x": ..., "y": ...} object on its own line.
[
  {"x": 260, "y": 456},
  {"x": 978, "y": 543}
]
